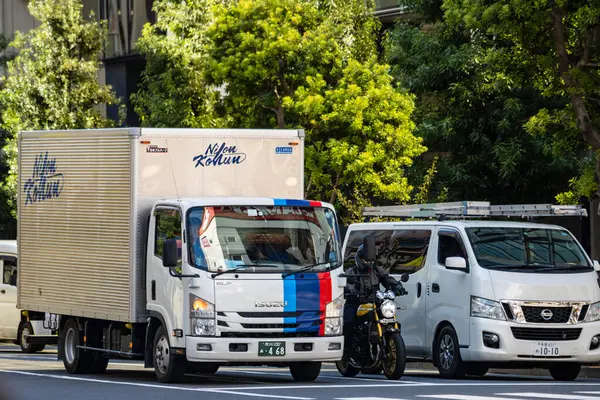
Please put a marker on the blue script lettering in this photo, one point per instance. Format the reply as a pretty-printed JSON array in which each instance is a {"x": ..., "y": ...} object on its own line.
[
  {"x": 44, "y": 183},
  {"x": 219, "y": 154}
]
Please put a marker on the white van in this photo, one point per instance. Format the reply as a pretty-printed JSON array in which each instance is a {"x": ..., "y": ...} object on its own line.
[
  {"x": 489, "y": 293},
  {"x": 13, "y": 326}
]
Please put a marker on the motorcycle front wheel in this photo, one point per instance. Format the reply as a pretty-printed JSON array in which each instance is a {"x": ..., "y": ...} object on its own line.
[
  {"x": 395, "y": 359},
  {"x": 346, "y": 369}
]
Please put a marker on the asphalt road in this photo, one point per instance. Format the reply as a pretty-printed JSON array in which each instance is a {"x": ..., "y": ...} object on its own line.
[{"x": 40, "y": 376}]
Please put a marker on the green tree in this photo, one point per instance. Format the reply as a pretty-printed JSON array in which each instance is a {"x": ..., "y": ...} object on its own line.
[
  {"x": 555, "y": 45},
  {"x": 292, "y": 64},
  {"x": 473, "y": 113},
  {"x": 52, "y": 82}
]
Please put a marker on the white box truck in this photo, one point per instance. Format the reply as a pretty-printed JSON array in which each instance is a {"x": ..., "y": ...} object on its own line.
[
  {"x": 187, "y": 248},
  {"x": 489, "y": 293}
]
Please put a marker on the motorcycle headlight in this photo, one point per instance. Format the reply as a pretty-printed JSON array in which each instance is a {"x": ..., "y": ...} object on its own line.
[
  {"x": 593, "y": 313},
  {"x": 335, "y": 308},
  {"x": 380, "y": 295},
  {"x": 388, "y": 309},
  {"x": 484, "y": 308},
  {"x": 390, "y": 295}
]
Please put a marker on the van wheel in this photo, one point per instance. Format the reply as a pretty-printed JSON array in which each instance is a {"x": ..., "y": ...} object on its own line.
[
  {"x": 447, "y": 352},
  {"x": 76, "y": 361},
  {"x": 565, "y": 372},
  {"x": 26, "y": 329},
  {"x": 305, "y": 371},
  {"x": 168, "y": 367}
]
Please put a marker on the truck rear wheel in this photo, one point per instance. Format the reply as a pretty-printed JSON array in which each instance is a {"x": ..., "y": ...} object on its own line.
[
  {"x": 168, "y": 367},
  {"x": 76, "y": 361},
  {"x": 305, "y": 371}
]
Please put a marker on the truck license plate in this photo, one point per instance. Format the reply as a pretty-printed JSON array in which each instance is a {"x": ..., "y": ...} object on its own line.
[
  {"x": 546, "y": 349},
  {"x": 271, "y": 349}
]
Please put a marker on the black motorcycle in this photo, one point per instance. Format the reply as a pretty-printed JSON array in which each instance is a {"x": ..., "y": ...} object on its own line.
[{"x": 376, "y": 341}]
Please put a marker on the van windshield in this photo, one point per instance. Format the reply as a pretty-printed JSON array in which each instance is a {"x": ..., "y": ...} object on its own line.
[
  {"x": 527, "y": 250},
  {"x": 263, "y": 238}
]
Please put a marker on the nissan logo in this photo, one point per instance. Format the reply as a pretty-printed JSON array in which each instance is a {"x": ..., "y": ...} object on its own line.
[{"x": 546, "y": 314}]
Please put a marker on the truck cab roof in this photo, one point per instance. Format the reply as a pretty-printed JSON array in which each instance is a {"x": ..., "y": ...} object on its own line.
[{"x": 188, "y": 202}]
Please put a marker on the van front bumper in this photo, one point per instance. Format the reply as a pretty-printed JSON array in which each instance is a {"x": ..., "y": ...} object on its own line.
[
  {"x": 245, "y": 350},
  {"x": 532, "y": 343}
]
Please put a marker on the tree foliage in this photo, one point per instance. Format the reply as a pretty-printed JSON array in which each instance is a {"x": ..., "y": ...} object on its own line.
[
  {"x": 555, "y": 45},
  {"x": 52, "y": 82},
  {"x": 296, "y": 64},
  {"x": 473, "y": 109}
]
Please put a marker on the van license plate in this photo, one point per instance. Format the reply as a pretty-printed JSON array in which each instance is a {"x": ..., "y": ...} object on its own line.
[
  {"x": 271, "y": 349},
  {"x": 546, "y": 349}
]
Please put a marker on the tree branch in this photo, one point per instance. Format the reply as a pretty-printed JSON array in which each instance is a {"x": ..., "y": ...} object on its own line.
[
  {"x": 589, "y": 132},
  {"x": 279, "y": 112}
]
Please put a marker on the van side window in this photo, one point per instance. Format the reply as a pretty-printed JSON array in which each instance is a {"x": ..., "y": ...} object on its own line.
[
  {"x": 168, "y": 226},
  {"x": 9, "y": 274},
  {"x": 398, "y": 251},
  {"x": 449, "y": 247}
]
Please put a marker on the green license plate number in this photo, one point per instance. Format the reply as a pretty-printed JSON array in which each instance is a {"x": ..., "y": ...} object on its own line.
[{"x": 271, "y": 349}]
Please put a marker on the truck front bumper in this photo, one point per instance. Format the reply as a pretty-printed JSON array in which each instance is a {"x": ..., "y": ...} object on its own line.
[{"x": 245, "y": 350}]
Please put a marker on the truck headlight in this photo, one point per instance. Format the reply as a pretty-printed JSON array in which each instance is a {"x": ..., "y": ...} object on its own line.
[
  {"x": 334, "y": 312},
  {"x": 593, "y": 313},
  {"x": 484, "y": 308},
  {"x": 202, "y": 317},
  {"x": 388, "y": 309}
]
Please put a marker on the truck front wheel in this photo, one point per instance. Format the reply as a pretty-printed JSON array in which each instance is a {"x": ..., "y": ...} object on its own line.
[
  {"x": 565, "y": 372},
  {"x": 168, "y": 366},
  {"x": 76, "y": 361},
  {"x": 305, "y": 371}
]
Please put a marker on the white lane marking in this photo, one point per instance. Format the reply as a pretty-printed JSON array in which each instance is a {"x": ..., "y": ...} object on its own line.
[
  {"x": 464, "y": 397},
  {"x": 243, "y": 371},
  {"x": 587, "y": 392},
  {"x": 367, "y": 398},
  {"x": 552, "y": 396},
  {"x": 259, "y": 395}
]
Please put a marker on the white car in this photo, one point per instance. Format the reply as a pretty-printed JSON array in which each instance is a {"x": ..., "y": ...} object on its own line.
[{"x": 13, "y": 326}]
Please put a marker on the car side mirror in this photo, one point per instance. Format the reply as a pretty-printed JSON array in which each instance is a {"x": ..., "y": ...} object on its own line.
[
  {"x": 369, "y": 248},
  {"x": 456, "y": 263},
  {"x": 404, "y": 277},
  {"x": 596, "y": 265},
  {"x": 170, "y": 256}
]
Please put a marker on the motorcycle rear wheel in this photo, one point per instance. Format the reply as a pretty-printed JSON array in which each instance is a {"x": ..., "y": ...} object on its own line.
[
  {"x": 346, "y": 369},
  {"x": 395, "y": 360}
]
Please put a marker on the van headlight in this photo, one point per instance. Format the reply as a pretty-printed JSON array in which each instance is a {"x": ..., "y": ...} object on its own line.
[
  {"x": 484, "y": 308},
  {"x": 334, "y": 312},
  {"x": 388, "y": 309},
  {"x": 593, "y": 313},
  {"x": 202, "y": 317}
]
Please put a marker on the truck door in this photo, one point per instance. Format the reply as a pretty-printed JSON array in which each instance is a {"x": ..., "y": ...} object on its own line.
[
  {"x": 9, "y": 315},
  {"x": 165, "y": 292}
]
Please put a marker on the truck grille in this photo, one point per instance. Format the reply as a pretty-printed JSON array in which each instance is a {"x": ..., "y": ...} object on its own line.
[
  {"x": 271, "y": 314},
  {"x": 269, "y": 326},
  {"x": 560, "y": 315},
  {"x": 546, "y": 334},
  {"x": 270, "y": 335}
]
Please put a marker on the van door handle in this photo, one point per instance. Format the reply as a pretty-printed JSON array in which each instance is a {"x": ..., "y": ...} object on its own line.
[
  {"x": 418, "y": 290},
  {"x": 3, "y": 291},
  {"x": 435, "y": 288}
]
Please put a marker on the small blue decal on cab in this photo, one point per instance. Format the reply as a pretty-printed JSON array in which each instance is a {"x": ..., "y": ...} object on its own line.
[{"x": 284, "y": 150}]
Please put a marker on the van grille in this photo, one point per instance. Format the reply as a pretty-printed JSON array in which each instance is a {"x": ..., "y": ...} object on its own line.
[
  {"x": 560, "y": 315},
  {"x": 546, "y": 334}
]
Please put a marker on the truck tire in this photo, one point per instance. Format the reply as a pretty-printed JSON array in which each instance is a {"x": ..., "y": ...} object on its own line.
[
  {"x": 565, "y": 372},
  {"x": 25, "y": 328},
  {"x": 202, "y": 368},
  {"x": 168, "y": 367},
  {"x": 76, "y": 361},
  {"x": 446, "y": 350},
  {"x": 305, "y": 371}
]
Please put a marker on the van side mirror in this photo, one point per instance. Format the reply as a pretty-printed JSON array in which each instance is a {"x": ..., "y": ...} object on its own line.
[
  {"x": 596, "y": 266},
  {"x": 369, "y": 248},
  {"x": 456, "y": 263},
  {"x": 404, "y": 277},
  {"x": 170, "y": 256}
]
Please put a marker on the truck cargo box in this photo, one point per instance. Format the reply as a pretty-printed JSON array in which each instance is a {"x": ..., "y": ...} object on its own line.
[{"x": 85, "y": 198}]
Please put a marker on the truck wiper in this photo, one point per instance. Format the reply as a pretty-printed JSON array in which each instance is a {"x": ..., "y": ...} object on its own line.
[
  {"x": 304, "y": 269},
  {"x": 242, "y": 266}
]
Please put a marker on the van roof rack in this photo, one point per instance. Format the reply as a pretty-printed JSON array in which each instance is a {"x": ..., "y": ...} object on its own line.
[{"x": 474, "y": 209}]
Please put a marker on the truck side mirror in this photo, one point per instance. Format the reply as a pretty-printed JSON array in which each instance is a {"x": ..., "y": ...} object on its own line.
[
  {"x": 369, "y": 248},
  {"x": 596, "y": 266},
  {"x": 170, "y": 256},
  {"x": 456, "y": 263}
]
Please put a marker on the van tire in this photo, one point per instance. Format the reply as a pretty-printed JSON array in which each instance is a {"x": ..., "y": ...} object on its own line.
[
  {"x": 305, "y": 371},
  {"x": 76, "y": 361},
  {"x": 565, "y": 372},
  {"x": 25, "y": 328},
  {"x": 168, "y": 366},
  {"x": 447, "y": 352}
]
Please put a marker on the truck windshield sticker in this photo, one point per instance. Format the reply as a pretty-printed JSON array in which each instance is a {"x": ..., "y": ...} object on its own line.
[
  {"x": 45, "y": 183},
  {"x": 219, "y": 154}
]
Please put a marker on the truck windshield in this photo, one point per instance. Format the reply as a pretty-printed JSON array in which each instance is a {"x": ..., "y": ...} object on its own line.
[
  {"x": 259, "y": 239},
  {"x": 527, "y": 250}
]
